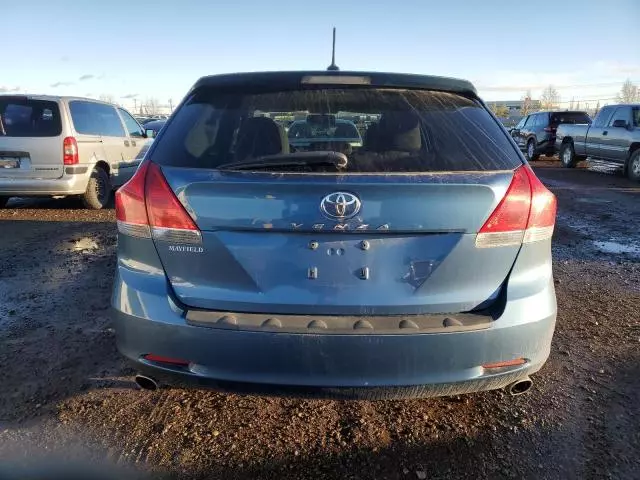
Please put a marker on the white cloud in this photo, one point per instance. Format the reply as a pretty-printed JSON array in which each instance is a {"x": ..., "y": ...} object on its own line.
[
  {"x": 61, "y": 84},
  {"x": 600, "y": 80}
]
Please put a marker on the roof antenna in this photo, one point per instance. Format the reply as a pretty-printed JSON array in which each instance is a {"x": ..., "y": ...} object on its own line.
[{"x": 333, "y": 66}]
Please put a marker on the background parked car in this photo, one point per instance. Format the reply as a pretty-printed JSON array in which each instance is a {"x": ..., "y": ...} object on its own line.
[
  {"x": 152, "y": 128},
  {"x": 324, "y": 132},
  {"x": 613, "y": 137},
  {"x": 58, "y": 146},
  {"x": 535, "y": 134}
]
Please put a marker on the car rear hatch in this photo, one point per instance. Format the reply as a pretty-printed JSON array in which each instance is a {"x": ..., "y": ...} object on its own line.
[
  {"x": 31, "y": 143},
  {"x": 396, "y": 232}
]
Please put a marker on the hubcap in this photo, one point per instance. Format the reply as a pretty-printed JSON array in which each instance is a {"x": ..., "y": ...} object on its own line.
[
  {"x": 566, "y": 156},
  {"x": 635, "y": 167},
  {"x": 530, "y": 150}
]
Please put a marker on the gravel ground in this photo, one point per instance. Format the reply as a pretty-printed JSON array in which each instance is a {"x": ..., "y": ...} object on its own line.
[{"x": 67, "y": 395}]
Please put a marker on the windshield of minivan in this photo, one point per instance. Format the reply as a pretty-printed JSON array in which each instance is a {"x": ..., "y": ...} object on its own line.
[{"x": 414, "y": 131}]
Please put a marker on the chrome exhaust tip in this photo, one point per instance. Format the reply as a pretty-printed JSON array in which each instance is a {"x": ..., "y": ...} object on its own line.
[
  {"x": 146, "y": 383},
  {"x": 520, "y": 386}
]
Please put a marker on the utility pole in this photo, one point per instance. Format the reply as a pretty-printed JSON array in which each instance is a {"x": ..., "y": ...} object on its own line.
[
  {"x": 170, "y": 106},
  {"x": 135, "y": 104}
]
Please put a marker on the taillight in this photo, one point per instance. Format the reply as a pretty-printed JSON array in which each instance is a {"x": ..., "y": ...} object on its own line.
[
  {"x": 131, "y": 211},
  {"x": 525, "y": 214},
  {"x": 146, "y": 206},
  {"x": 542, "y": 217},
  {"x": 70, "y": 151}
]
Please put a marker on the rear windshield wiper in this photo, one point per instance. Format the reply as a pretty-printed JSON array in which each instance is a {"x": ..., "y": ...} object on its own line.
[{"x": 336, "y": 159}]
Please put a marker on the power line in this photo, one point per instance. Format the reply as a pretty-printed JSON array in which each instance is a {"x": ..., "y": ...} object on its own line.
[{"x": 537, "y": 87}]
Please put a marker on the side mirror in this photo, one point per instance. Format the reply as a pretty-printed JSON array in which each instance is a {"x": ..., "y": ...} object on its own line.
[
  {"x": 620, "y": 123},
  {"x": 150, "y": 133}
]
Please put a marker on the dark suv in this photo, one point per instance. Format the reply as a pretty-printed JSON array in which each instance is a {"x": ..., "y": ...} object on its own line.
[{"x": 535, "y": 134}]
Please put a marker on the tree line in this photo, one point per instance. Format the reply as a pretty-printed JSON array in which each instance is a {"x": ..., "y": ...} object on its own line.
[{"x": 550, "y": 98}]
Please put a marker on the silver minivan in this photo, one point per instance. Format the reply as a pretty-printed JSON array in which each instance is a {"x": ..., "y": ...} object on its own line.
[{"x": 61, "y": 146}]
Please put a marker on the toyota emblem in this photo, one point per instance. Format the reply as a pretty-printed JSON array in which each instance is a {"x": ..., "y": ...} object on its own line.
[{"x": 340, "y": 205}]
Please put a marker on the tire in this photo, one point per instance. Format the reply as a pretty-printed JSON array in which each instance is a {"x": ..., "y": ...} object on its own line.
[
  {"x": 531, "y": 151},
  {"x": 633, "y": 167},
  {"x": 568, "y": 155},
  {"x": 98, "y": 191},
  {"x": 3, "y": 201}
]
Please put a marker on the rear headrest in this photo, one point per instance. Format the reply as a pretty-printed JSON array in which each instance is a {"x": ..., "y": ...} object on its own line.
[
  {"x": 260, "y": 136},
  {"x": 399, "y": 131}
]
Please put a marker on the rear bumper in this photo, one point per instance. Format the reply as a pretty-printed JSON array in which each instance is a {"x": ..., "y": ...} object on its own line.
[
  {"x": 549, "y": 146},
  {"x": 66, "y": 185},
  {"x": 325, "y": 365}
]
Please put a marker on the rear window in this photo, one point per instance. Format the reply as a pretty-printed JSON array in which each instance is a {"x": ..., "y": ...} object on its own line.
[
  {"x": 29, "y": 118},
  {"x": 569, "y": 117},
  {"x": 398, "y": 130}
]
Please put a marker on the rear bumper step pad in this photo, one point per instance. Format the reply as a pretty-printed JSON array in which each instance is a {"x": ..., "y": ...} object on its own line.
[{"x": 347, "y": 324}]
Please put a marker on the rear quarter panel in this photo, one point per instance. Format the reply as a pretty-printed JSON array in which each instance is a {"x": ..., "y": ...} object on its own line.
[{"x": 576, "y": 133}]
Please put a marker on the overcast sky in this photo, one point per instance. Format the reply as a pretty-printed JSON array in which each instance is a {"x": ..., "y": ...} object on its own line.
[{"x": 159, "y": 48}]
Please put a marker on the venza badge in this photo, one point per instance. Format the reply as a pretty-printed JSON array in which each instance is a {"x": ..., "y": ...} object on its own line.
[{"x": 340, "y": 205}]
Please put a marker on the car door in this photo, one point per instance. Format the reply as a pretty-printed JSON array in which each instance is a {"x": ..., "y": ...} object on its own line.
[
  {"x": 114, "y": 137},
  {"x": 616, "y": 140},
  {"x": 136, "y": 147},
  {"x": 529, "y": 130},
  {"x": 102, "y": 119},
  {"x": 88, "y": 128},
  {"x": 594, "y": 134}
]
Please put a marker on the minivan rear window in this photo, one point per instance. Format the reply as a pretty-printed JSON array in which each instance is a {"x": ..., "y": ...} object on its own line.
[
  {"x": 411, "y": 131},
  {"x": 24, "y": 117}
]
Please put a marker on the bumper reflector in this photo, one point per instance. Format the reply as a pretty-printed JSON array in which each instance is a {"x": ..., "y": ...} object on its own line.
[
  {"x": 177, "y": 362},
  {"x": 507, "y": 363}
]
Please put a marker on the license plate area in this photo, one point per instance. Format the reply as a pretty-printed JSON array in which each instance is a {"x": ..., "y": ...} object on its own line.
[
  {"x": 13, "y": 160},
  {"x": 9, "y": 162},
  {"x": 320, "y": 262}
]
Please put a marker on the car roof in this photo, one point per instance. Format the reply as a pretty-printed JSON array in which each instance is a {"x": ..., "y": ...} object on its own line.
[
  {"x": 293, "y": 80},
  {"x": 623, "y": 105},
  {"x": 155, "y": 123},
  {"x": 54, "y": 98},
  {"x": 559, "y": 111}
]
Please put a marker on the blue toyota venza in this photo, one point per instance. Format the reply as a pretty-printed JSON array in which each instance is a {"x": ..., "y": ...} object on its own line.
[{"x": 415, "y": 262}]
